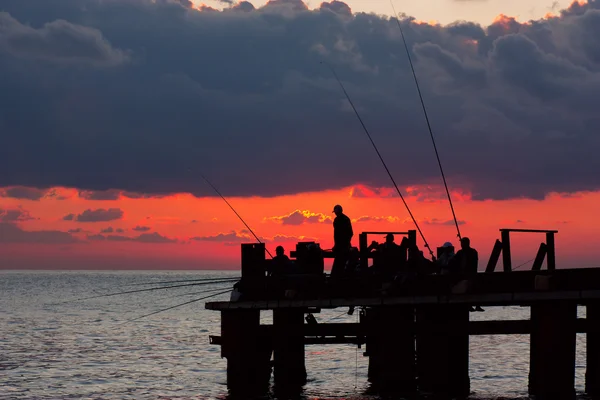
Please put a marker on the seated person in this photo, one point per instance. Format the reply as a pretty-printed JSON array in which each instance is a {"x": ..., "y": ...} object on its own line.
[{"x": 281, "y": 263}]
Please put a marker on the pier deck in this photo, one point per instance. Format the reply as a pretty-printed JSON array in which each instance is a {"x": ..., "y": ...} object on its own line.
[{"x": 416, "y": 329}]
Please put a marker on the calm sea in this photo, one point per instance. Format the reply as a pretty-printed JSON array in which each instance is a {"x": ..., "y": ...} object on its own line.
[{"x": 83, "y": 350}]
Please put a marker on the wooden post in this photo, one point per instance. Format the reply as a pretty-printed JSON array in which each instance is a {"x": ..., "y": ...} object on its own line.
[
  {"x": 363, "y": 245},
  {"x": 553, "y": 334},
  {"x": 539, "y": 257},
  {"x": 248, "y": 354},
  {"x": 443, "y": 350},
  {"x": 506, "y": 257},
  {"x": 391, "y": 349},
  {"x": 551, "y": 260},
  {"x": 288, "y": 342},
  {"x": 496, "y": 251},
  {"x": 412, "y": 237},
  {"x": 592, "y": 373}
]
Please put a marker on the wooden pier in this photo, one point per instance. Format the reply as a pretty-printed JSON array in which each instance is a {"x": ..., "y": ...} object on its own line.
[{"x": 416, "y": 331}]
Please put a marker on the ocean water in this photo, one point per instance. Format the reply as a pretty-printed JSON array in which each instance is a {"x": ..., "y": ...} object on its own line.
[{"x": 85, "y": 349}]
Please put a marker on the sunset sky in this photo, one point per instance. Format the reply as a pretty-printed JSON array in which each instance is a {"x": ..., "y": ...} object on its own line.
[{"x": 110, "y": 112}]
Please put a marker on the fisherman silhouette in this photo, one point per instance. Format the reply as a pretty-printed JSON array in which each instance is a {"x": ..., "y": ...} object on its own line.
[
  {"x": 281, "y": 262},
  {"x": 390, "y": 253},
  {"x": 467, "y": 258},
  {"x": 466, "y": 261},
  {"x": 342, "y": 237},
  {"x": 445, "y": 258}
]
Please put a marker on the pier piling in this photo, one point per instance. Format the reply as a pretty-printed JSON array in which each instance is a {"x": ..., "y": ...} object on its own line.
[
  {"x": 288, "y": 341},
  {"x": 592, "y": 373},
  {"x": 552, "y": 353},
  {"x": 391, "y": 349},
  {"x": 443, "y": 350},
  {"x": 248, "y": 353}
]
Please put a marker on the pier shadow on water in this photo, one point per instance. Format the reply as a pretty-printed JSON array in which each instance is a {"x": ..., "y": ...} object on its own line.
[{"x": 368, "y": 393}]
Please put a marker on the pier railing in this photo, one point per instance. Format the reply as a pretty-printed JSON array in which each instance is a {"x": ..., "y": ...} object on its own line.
[{"x": 502, "y": 246}]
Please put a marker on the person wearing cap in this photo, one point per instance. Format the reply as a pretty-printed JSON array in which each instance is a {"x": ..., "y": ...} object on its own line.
[
  {"x": 444, "y": 258},
  {"x": 342, "y": 237},
  {"x": 391, "y": 257}
]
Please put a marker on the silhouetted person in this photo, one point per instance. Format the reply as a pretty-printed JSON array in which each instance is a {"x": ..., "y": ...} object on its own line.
[
  {"x": 342, "y": 236},
  {"x": 281, "y": 263},
  {"x": 417, "y": 264},
  {"x": 467, "y": 258},
  {"x": 466, "y": 261},
  {"x": 444, "y": 259},
  {"x": 390, "y": 256}
]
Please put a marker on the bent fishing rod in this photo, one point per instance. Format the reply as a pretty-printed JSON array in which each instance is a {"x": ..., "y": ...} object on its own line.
[
  {"x": 236, "y": 213},
  {"x": 380, "y": 158},
  {"x": 426, "y": 118}
]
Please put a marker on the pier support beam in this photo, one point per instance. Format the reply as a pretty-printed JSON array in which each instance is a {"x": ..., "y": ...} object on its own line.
[
  {"x": 288, "y": 341},
  {"x": 248, "y": 354},
  {"x": 391, "y": 349},
  {"x": 443, "y": 350},
  {"x": 592, "y": 373},
  {"x": 552, "y": 353}
]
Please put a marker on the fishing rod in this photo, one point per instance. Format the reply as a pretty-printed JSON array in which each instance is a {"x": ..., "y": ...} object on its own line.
[
  {"x": 380, "y": 157},
  {"x": 188, "y": 280},
  {"x": 145, "y": 290},
  {"x": 426, "y": 119},
  {"x": 197, "y": 293},
  {"x": 172, "y": 307},
  {"x": 238, "y": 215}
]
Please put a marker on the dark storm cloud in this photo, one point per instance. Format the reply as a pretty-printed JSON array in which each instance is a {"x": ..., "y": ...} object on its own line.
[
  {"x": 140, "y": 96},
  {"x": 100, "y": 195},
  {"x": 299, "y": 217},
  {"x": 99, "y": 215},
  {"x": 23, "y": 193},
  {"x": 15, "y": 215},
  {"x": 10, "y": 233},
  {"x": 143, "y": 238},
  {"x": 57, "y": 41},
  {"x": 232, "y": 237}
]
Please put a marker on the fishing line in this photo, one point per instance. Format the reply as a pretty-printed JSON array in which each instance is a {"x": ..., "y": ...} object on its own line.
[
  {"x": 526, "y": 262},
  {"x": 198, "y": 293},
  {"x": 238, "y": 215},
  {"x": 187, "y": 280},
  {"x": 143, "y": 290},
  {"x": 337, "y": 316},
  {"x": 178, "y": 305},
  {"x": 380, "y": 157},
  {"x": 426, "y": 118}
]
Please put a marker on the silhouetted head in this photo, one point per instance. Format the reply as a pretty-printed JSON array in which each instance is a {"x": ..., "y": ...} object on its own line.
[
  {"x": 338, "y": 209},
  {"x": 447, "y": 247},
  {"x": 389, "y": 238},
  {"x": 465, "y": 243},
  {"x": 279, "y": 250}
]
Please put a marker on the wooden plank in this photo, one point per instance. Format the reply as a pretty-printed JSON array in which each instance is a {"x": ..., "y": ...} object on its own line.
[{"x": 529, "y": 230}]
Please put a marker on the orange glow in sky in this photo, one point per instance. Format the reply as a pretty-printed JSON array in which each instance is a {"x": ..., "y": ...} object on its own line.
[{"x": 182, "y": 231}]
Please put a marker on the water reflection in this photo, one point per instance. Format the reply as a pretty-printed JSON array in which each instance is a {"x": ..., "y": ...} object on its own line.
[{"x": 80, "y": 350}]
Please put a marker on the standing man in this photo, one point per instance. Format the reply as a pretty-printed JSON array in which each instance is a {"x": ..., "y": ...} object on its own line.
[
  {"x": 342, "y": 237},
  {"x": 467, "y": 261}
]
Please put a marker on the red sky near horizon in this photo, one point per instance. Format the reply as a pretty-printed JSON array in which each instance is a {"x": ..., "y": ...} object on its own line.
[{"x": 65, "y": 230}]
